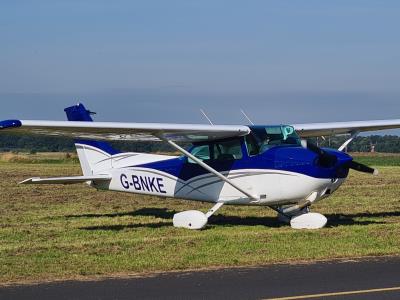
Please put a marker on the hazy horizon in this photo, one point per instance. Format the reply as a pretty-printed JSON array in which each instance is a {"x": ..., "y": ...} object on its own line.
[{"x": 153, "y": 61}]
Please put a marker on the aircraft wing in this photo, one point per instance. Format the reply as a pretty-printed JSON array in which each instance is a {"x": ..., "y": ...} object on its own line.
[
  {"x": 323, "y": 129},
  {"x": 126, "y": 131},
  {"x": 178, "y": 132}
]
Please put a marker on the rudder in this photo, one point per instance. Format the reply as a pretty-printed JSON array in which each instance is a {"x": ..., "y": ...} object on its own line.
[{"x": 94, "y": 156}]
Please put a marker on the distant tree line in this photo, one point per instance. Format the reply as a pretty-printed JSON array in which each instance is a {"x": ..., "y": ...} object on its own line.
[
  {"x": 38, "y": 143},
  {"x": 372, "y": 143}
]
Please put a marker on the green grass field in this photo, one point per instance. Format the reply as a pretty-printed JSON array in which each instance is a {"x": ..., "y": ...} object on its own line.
[{"x": 75, "y": 232}]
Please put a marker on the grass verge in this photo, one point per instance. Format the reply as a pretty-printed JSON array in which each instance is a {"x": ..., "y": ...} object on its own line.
[{"x": 68, "y": 232}]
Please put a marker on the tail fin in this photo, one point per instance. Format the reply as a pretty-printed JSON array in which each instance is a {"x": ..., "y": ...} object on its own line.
[
  {"x": 79, "y": 113},
  {"x": 94, "y": 156}
]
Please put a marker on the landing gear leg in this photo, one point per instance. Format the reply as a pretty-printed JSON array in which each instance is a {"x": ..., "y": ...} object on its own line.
[{"x": 285, "y": 217}]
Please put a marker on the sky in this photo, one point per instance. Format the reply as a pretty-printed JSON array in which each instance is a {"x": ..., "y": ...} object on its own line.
[{"x": 161, "y": 61}]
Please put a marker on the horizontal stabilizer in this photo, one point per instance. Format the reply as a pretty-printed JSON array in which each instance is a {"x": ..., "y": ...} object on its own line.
[{"x": 66, "y": 180}]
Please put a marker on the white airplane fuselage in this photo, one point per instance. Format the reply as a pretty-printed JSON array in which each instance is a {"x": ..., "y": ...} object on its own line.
[{"x": 133, "y": 173}]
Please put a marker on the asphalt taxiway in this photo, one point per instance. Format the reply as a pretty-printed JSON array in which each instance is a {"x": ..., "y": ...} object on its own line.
[{"x": 368, "y": 278}]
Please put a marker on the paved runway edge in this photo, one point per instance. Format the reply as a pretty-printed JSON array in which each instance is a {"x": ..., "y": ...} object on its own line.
[{"x": 274, "y": 281}]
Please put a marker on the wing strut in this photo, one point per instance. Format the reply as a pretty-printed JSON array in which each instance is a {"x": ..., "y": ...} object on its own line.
[
  {"x": 211, "y": 170},
  {"x": 351, "y": 138}
]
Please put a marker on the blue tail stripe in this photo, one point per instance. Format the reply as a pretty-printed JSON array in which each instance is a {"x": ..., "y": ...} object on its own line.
[
  {"x": 103, "y": 146},
  {"x": 80, "y": 113}
]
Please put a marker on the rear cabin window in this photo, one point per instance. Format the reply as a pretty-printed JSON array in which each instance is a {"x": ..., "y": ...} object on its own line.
[
  {"x": 218, "y": 151},
  {"x": 228, "y": 150}
]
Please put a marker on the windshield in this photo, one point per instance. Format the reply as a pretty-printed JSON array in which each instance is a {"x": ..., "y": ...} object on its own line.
[{"x": 263, "y": 138}]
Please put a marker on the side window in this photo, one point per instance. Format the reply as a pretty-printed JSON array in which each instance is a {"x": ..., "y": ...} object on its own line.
[
  {"x": 275, "y": 136},
  {"x": 227, "y": 150},
  {"x": 252, "y": 146},
  {"x": 202, "y": 152}
]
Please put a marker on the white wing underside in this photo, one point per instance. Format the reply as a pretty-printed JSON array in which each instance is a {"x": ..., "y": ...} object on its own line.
[
  {"x": 333, "y": 128},
  {"x": 183, "y": 132},
  {"x": 133, "y": 131}
]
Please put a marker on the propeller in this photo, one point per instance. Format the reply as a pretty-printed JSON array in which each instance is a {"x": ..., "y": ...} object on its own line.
[
  {"x": 362, "y": 168},
  {"x": 326, "y": 159}
]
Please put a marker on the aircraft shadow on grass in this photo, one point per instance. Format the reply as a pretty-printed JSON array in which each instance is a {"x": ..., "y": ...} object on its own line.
[
  {"x": 382, "y": 214},
  {"x": 127, "y": 226},
  {"x": 349, "y": 219},
  {"x": 162, "y": 213},
  {"x": 334, "y": 220}
]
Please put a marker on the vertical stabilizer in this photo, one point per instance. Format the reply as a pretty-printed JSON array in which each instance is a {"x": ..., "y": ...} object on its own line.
[{"x": 94, "y": 156}]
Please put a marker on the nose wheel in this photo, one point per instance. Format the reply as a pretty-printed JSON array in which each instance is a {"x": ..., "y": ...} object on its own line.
[{"x": 302, "y": 218}]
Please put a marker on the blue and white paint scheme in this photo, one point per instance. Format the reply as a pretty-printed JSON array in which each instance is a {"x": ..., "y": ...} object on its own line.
[{"x": 226, "y": 164}]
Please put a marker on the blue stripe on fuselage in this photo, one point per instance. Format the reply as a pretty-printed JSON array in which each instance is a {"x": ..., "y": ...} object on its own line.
[{"x": 292, "y": 159}]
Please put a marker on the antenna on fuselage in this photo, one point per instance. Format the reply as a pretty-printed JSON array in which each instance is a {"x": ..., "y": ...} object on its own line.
[
  {"x": 205, "y": 115},
  {"x": 248, "y": 119}
]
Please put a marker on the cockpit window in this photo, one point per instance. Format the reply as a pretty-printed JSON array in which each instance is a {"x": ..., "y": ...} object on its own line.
[
  {"x": 263, "y": 138},
  {"x": 201, "y": 152},
  {"x": 253, "y": 148}
]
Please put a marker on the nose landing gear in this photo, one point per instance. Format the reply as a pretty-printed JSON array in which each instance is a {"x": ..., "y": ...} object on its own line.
[
  {"x": 308, "y": 220},
  {"x": 302, "y": 218}
]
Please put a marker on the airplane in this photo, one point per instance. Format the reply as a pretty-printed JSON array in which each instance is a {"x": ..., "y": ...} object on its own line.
[{"x": 261, "y": 165}]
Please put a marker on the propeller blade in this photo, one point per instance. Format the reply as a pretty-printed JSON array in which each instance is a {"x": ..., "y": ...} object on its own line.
[
  {"x": 325, "y": 159},
  {"x": 329, "y": 160},
  {"x": 362, "y": 168}
]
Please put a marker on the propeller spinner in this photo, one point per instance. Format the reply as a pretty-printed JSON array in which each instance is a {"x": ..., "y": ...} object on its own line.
[{"x": 326, "y": 159}]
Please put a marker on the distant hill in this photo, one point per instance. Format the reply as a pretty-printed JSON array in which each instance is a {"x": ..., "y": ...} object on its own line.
[{"x": 37, "y": 143}]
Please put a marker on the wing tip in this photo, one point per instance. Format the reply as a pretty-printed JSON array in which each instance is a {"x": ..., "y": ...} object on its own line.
[{"x": 10, "y": 124}]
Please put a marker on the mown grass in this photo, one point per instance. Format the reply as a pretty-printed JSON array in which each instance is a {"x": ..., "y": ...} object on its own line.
[
  {"x": 378, "y": 159},
  {"x": 39, "y": 158},
  {"x": 69, "y": 232}
]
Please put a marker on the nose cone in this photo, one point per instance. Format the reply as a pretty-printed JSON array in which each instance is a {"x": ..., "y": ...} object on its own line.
[
  {"x": 341, "y": 156},
  {"x": 341, "y": 167},
  {"x": 329, "y": 164}
]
